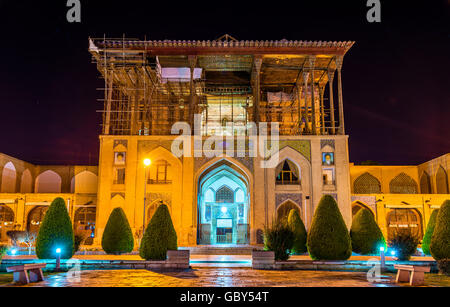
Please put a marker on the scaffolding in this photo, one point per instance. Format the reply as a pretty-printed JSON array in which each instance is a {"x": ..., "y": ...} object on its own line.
[{"x": 150, "y": 85}]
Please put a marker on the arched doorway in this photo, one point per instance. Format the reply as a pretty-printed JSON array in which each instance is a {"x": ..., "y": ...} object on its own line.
[
  {"x": 35, "y": 217},
  {"x": 404, "y": 220},
  {"x": 356, "y": 206},
  {"x": 6, "y": 221},
  {"x": 84, "y": 222},
  {"x": 223, "y": 205},
  {"x": 284, "y": 210}
]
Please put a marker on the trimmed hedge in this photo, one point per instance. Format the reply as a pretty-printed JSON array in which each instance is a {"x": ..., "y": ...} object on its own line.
[
  {"x": 117, "y": 237},
  {"x": 440, "y": 241},
  {"x": 429, "y": 232},
  {"x": 365, "y": 234},
  {"x": 299, "y": 230},
  {"x": 328, "y": 238},
  {"x": 404, "y": 243},
  {"x": 55, "y": 232},
  {"x": 159, "y": 236},
  {"x": 279, "y": 238}
]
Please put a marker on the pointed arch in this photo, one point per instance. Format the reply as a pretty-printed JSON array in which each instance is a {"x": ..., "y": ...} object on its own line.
[
  {"x": 287, "y": 172},
  {"x": 441, "y": 181},
  {"x": 8, "y": 178},
  {"x": 366, "y": 184},
  {"x": 224, "y": 195},
  {"x": 84, "y": 182},
  {"x": 425, "y": 184},
  {"x": 404, "y": 219},
  {"x": 117, "y": 201},
  {"x": 358, "y": 205},
  {"x": 48, "y": 182},
  {"x": 285, "y": 208},
  {"x": 26, "y": 182},
  {"x": 35, "y": 217},
  {"x": 403, "y": 184}
]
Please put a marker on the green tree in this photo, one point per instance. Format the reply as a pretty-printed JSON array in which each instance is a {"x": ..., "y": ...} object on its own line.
[
  {"x": 55, "y": 232},
  {"x": 279, "y": 238},
  {"x": 159, "y": 236},
  {"x": 328, "y": 238},
  {"x": 365, "y": 234},
  {"x": 117, "y": 237},
  {"x": 440, "y": 241},
  {"x": 429, "y": 232},
  {"x": 300, "y": 235}
]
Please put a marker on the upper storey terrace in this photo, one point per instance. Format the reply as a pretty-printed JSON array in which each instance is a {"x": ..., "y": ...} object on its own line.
[{"x": 150, "y": 85}]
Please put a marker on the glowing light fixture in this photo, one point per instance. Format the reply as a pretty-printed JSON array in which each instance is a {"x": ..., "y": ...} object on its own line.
[
  {"x": 58, "y": 250},
  {"x": 13, "y": 251},
  {"x": 393, "y": 252},
  {"x": 223, "y": 209},
  {"x": 381, "y": 248},
  {"x": 147, "y": 162}
]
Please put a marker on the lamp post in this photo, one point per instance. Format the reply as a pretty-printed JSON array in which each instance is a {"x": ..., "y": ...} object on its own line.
[
  {"x": 147, "y": 163},
  {"x": 382, "y": 258},
  {"x": 58, "y": 259}
]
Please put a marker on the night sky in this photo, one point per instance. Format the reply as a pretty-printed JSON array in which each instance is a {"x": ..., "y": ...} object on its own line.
[{"x": 395, "y": 78}]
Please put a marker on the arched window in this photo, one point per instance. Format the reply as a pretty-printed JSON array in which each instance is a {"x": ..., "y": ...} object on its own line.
[
  {"x": 48, "y": 182},
  {"x": 84, "y": 222},
  {"x": 284, "y": 210},
  {"x": 358, "y": 206},
  {"x": 441, "y": 181},
  {"x": 6, "y": 221},
  {"x": 366, "y": 184},
  {"x": 225, "y": 195},
  {"x": 35, "y": 217},
  {"x": 425, "y": 185},
  {"x": 287, "y": 173},
  {"x": 403, "y": 184},
  {"x": 160, "y": 173},
  {"x": 404, "y": 220},
  {"x": 152, "y": 209},
  {"x": 26, "y": 182},
  {"x": 8, "y": 179}
]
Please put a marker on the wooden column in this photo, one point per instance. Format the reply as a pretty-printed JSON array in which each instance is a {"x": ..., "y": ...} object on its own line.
[
  {"x": 257, "y": 62},
  {"x": 299, "y": 98},
  {"x": 312, "y": 61},
  {"x": 192, "y": 63},
  {"x": 331, "y": 94},
  {"x": 339, "y": 60},
  {"x": 322, "y": 109},
  {"x": 305, "y": 89},
  {"x": 108, "y": 96}
]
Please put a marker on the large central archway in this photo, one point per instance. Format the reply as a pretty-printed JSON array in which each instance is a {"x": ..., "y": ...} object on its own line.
[{"x": 223, "y": 205}]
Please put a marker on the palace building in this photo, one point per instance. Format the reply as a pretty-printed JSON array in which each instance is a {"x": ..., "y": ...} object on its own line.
[{"x": 237, "y": 171}]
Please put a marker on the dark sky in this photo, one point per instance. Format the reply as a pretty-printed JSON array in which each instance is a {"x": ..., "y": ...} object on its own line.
[{"x": 395, "y": 78}]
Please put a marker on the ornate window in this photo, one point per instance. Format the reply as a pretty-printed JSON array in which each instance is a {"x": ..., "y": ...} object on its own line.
[
  {"x": 225, "y": 195},
  {"x": 441, "y": 181},
  {"x": 287, "y": 173},
  {"x": 403, "y": 184},
  {"x": 404, "y": 220},
  {"x": 425, "y": 185},
  {"x": 366, "y": 184},
  {"x": 160, "y": 173},
  {"x": 84, "y": 222},
  {"x": 120, "y": 176}
]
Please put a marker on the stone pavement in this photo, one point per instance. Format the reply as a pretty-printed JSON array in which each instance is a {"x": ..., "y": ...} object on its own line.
[{"x": 209, "y": 277}]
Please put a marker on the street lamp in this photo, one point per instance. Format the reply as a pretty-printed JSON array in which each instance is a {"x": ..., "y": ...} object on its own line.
[
  {"x": 58, "y": 259},
  {"x": 147, "y": 163}
]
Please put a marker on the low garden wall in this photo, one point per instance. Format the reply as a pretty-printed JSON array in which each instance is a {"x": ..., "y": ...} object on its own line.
[
  {"x": 265, "y": 260},
  {"x": 176, "y": 260}
]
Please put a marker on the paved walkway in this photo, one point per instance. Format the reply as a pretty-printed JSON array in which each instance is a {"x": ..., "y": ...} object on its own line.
[{"x": 209, "y": 277}]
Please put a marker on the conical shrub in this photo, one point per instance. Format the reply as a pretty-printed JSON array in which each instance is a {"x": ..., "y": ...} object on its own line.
[
  {"x": 299, "y": 230},
  {"x": 429, "y": 232},
  {"x": 365, "y": 234},
  {"x": 328, "y": 238},
  {"x": 159, "y": 236},
  {"x": 440, "y": 241},
  {"x": 117, "y": 237},
  {"x": 55, "y": 232}
]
